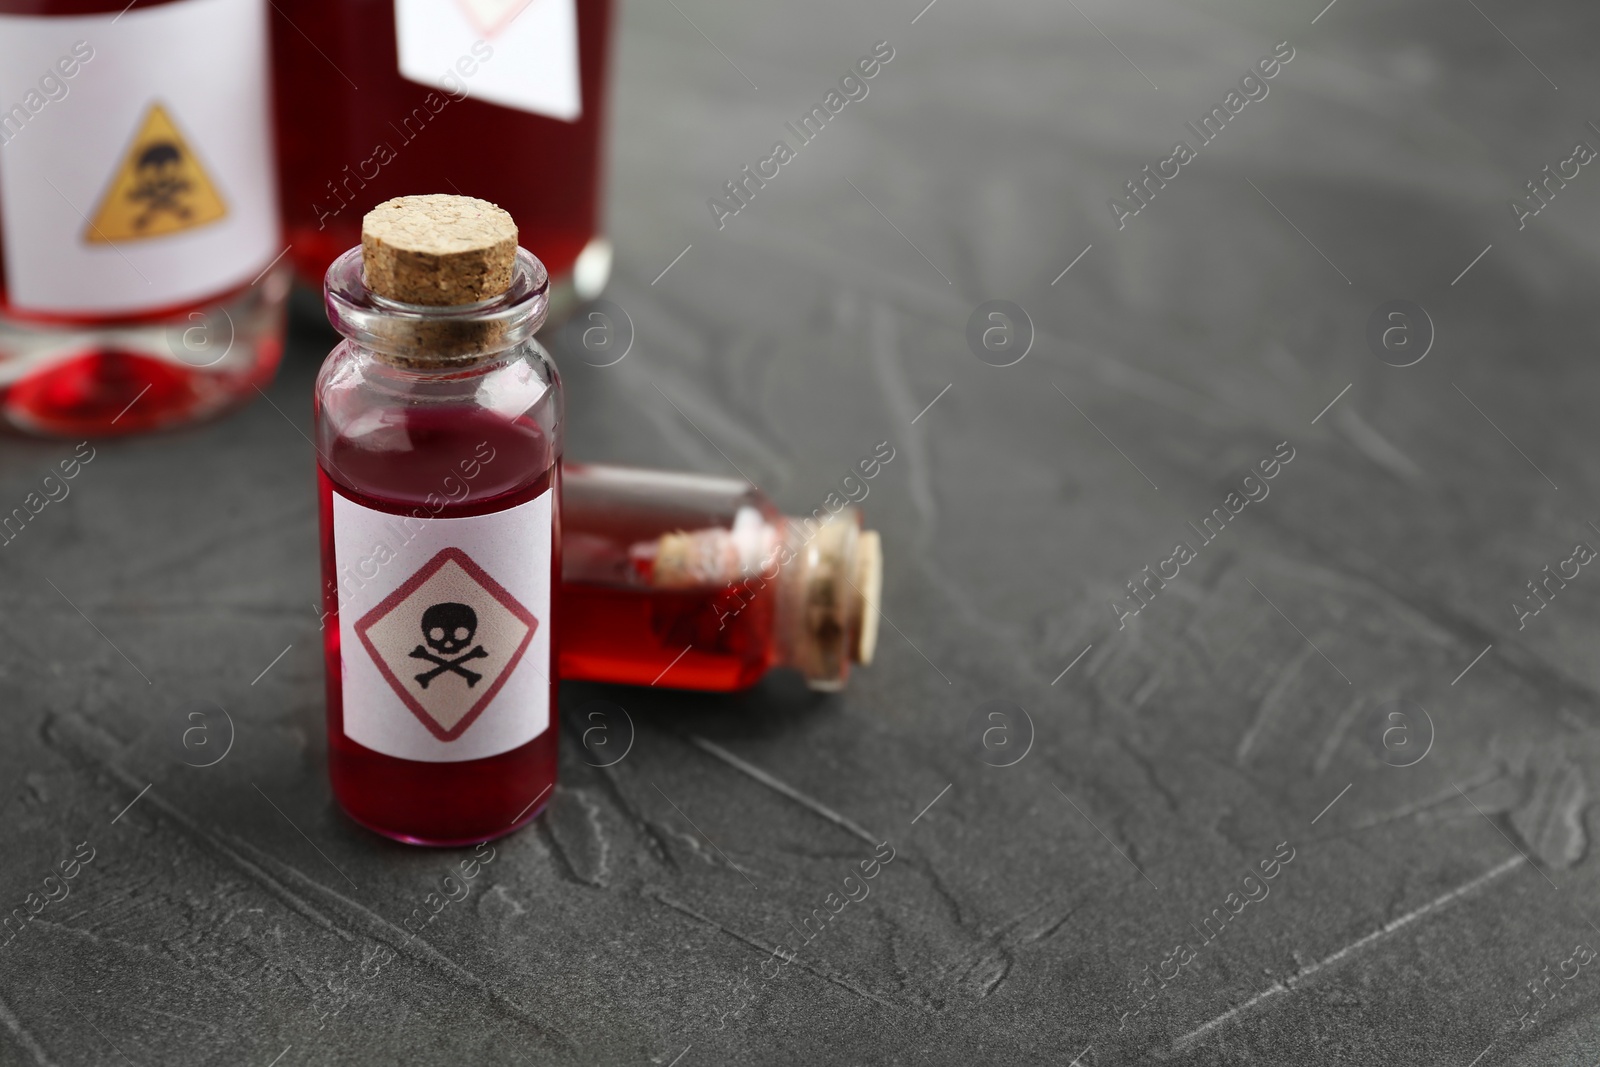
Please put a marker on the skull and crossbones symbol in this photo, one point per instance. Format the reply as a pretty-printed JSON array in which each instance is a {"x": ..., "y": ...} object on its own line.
[
  {"x": 161, "y": 183},
  {"x": 448, "y": 629}
]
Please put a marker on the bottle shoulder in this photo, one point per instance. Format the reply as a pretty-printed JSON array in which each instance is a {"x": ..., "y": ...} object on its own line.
[
  {"x": 356, "y": 391},
  {"x": 398, "y": 435}
]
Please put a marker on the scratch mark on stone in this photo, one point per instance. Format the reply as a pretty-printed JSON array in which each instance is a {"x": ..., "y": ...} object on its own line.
[
  {"x": 1270, "y": 703},
  {"x": 940, "y": 890},
  {"x": 120, "y": 894},
  {"x": 196, "y": 833},
  {"x": 1372, "y": 444},
  {"x": 1304, "y": 973},
  {"x": 9, "y": 1019},
  {"x": 994, "y": 957},
  {"x": 1107, "y": 653},
  {"x": 686, "y": 910},
  {"x": 500, "y": 892},
  {"x": 1336, "y": 736},
  {"x": 1444, "y": 625},
  {"x": 997, "y": 977},
  {"x": 293, "y": 900},
  {"x": 712, "y": 857},
  {"x": 573, "y": 823},
  {"x": 842, "y": 983},
  {"x": 1148, "y": 767},
  {"x": 90, "y": 935},
  {"x": 998, "y": 933},
  {"x": 784, "y": 789},
  {"x": 381, "y": 929},
  {"x": 1145, "y": 691},
  {"x": 1550, "y": 821},
  {"x": 653, "y": 838},
  {"x": 1417, "y": 807},
  {"x": 1051, "y": 930}
]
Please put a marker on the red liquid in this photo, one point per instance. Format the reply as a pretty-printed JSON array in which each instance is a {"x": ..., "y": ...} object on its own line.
[
  {"x": 103, "y": 391},
  {"x": 619, "y": 626},
  {"x": 544, "y": 171},
  {"x": 410, "y": 800},
  {"x": 634, "y": 637}
]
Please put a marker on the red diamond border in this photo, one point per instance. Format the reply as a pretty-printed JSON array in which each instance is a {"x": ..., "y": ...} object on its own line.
[
  {"x": 491, "y": 31},
  {"x": 390, "y": 602}
]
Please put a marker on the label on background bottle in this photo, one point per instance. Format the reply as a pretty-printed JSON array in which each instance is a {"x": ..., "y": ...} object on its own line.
[
  {"x": 136, "y": 167},
  {"x": 518, "y": 53},
  {"x": 444, "y": 629}
]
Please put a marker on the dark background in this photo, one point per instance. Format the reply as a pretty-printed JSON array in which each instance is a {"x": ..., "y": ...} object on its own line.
[{"x": 227, "y": 915}]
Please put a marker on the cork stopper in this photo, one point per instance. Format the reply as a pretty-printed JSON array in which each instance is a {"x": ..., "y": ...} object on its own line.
[
  {"x": 441, "y": 252},
  {"x": 868, "y": 582},
  {"x": 438, "y": 250},
  {"x": 827, "y": 579}
]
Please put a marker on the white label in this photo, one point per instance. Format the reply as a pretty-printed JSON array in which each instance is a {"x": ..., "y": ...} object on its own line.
[
  {"x": 519, "y": 53},
  {"x": 144, "y": 178},
  {"x": 444, "y": 629}
]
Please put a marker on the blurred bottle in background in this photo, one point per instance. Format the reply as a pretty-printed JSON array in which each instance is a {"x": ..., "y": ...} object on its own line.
[
  {"x": 138, "y": 213},
  {"x": 382, "y": 98},
  {"x": 693, "y": 582}
]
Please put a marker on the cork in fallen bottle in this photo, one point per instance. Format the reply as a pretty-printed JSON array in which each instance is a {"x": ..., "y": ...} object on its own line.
[
  {"x": 438, "y": 251},
  {"x": 868, "y": 583}
]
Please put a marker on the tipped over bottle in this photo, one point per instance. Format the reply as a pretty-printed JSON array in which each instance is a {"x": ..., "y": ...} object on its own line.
[{"x": 695, "y": 582}]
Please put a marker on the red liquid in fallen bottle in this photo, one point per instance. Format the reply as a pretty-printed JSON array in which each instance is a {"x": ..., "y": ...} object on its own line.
[
  {"x": 438, "y": 81},
  {"x": 693, "y": 582},
  {"x": 438, "y": 433},
  {"x": 138, "y": 214},
  {"x": 666, "y": 637}
]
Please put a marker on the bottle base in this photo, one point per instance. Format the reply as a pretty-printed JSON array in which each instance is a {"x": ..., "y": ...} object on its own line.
[
  {"x": 66, "y": 380},
  {"x": 439, "y": 805},
  {"x": 533, "y": 813}
]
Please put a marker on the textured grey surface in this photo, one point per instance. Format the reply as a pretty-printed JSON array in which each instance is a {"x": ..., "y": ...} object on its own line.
[{"x": 232, "y": 915}]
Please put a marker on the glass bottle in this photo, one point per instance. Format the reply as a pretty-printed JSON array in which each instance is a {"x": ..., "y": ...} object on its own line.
[
  {"x": 376, "y": 98},
  {"x": 138, "y": 213},
  {"x": 696, "y": 582},
  {"x": 438, "y": 434}
]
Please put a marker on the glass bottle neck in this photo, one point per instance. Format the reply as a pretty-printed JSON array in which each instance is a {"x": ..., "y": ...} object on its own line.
[{"x": 442, "y": 339}]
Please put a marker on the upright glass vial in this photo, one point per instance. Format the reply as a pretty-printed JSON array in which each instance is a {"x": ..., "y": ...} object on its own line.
[
  {"x": 138, "y": 213},
  {"x": 438, "y": 435},
  {"x": 694, "y": 582}
]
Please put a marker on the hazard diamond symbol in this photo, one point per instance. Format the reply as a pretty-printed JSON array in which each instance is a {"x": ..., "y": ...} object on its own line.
[
  {"x": 492, "y": 16},
  {"x": 159, "y": 188},
  {"x": 447, "y": 640}
]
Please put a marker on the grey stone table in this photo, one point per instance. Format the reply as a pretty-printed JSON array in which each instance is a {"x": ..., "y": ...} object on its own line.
[{"x": 1342, "y": 681}]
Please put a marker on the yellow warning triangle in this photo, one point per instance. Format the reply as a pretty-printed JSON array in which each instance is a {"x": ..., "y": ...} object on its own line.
[{"x": 160, "y": 188}]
